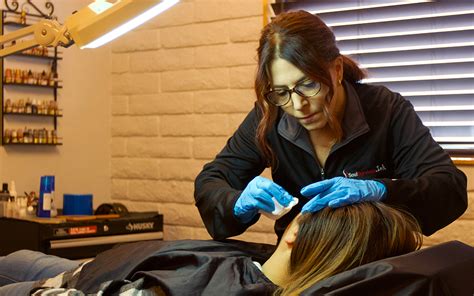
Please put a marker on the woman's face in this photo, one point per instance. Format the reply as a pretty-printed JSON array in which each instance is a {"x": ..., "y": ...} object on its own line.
[{"x": 308, "y": 111}]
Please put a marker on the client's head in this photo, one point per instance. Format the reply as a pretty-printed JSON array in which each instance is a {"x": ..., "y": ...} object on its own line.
[{"x": 331, "y": 241}]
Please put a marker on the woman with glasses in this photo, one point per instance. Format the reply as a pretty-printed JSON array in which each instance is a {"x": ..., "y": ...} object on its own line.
[{"x": 329, "y": 140}]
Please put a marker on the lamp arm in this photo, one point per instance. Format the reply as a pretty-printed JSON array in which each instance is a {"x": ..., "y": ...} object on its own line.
[{"x": 45, "y": 33}]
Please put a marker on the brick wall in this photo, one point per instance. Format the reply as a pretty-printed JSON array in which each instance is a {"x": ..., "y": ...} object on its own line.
[{"x": 181, "y": 86}]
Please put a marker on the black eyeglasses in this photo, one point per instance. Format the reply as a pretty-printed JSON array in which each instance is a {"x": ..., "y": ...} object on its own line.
[{"x": 281, "y": 96}]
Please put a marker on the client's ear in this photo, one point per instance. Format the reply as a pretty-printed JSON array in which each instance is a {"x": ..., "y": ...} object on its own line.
[{"x": 289, "y": 236}]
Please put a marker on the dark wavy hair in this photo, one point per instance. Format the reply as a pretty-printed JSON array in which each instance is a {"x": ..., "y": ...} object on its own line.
[{"x": 304, "y": 40}]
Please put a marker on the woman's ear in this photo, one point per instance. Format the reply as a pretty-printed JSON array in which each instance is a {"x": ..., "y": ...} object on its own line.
[
  {"x": 289, "y": 236},
  {"x": 338, "y": 67}
]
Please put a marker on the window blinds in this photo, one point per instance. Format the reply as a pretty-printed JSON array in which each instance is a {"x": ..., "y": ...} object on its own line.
[{"x": 421, "y": 49}]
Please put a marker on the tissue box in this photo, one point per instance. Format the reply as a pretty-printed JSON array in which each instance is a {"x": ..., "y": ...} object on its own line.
[{"x": 77, "y": 204}]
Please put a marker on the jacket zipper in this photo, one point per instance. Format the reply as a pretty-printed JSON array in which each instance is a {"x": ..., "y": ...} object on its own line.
[{"x": 322, "y": 172}]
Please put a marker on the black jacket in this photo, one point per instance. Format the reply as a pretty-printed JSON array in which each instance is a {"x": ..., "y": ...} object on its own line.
[
  {"x": 192, "y": 267},
  {"x": 383, "y": 139},
  {"x": 187, "y": 267}
]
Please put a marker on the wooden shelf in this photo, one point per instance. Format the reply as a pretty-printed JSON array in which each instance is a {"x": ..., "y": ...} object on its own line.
[
  {"x": 33, "y": 85},
  {"x": 31, "y": 144},
  {"x": 33, "y": 114},
  {"x": 34, "y": 56}
]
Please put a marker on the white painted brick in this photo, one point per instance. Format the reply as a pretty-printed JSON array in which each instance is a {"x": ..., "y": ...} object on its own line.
[
  {"x": 177, "y": 125},
  {"x": 167, "y": 147},
  {"x": 211, "y": 125},
  {"x": 210, "y": 10},
  {"x": 119, "y": 105},
  {"x": 162, "y": 191},
  {"x": 247, "y": 29},
  {"x": 195, "y": 79},
  {"x": 198, "y": 125},
  {"x": 462, "y": 230},
  {"x": 208, "y": 147},
  {"x": 195, "y": 35},
  {"x": 119, "y": 189},
  {"x": 235, "y": 120},
  {"x": 242, "y": 76},
  {"x": 120, "y": 62},
  {"x": 137, "y": 83},
  {"x": 180, "y": 14},
  {"x": 176, "y": 59},
  {"x": 175, "y": 232},
  {"x": 181, "y": 214},
  {"x": 180, "y": 169},
  {"x": 137, "y": 40},
  {"x": 224, "y": 101},
  {"x": 118, "y": 147},
  {"x": 135, "y": 206},
  {"x": 162, "y": 103},
  {"x": 163, "y": 59},
  {"x": 135, "y": 168},
  {"x": 234, "y": 54},
  {"x": 134, "y": 126},
  {"x": 144, "y": 61}
]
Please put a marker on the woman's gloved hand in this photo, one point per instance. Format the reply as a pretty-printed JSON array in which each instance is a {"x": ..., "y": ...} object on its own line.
[
  {"x": 258, "y": 196},
  {"x": 339, "y": 191}
]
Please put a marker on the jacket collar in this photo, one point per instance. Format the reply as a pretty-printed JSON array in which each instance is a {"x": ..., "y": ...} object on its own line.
[{"x": 354, "y": 124}]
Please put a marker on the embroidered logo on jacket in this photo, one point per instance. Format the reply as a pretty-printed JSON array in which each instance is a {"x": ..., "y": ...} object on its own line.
[{"x": 379, "y": 168}]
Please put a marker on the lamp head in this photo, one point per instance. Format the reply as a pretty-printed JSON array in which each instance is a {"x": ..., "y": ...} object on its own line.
[{"x": 102, "y": 21}]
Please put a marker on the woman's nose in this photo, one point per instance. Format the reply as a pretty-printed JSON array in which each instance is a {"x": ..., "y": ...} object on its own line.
[{"x": 298, "y": 101}]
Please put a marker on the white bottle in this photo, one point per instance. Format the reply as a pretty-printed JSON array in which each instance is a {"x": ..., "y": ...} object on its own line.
[
  {"x": 14, "y": 204},
  {"x": 22, "y": 208},
  {"x": 8, "y": 212}
]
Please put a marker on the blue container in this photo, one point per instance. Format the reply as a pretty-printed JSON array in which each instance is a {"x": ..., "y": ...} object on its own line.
[
  {"x": 77, "y": 204},
  {"x": 46, "y": 196}
]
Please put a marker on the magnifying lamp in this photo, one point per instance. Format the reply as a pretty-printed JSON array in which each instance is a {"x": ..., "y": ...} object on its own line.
[{"x": 95, "y": 25}]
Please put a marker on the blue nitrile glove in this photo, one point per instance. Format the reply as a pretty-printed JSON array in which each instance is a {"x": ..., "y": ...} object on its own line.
[
  {"x": 258, "y": 196},
  {"x": 340, "y": 191}
]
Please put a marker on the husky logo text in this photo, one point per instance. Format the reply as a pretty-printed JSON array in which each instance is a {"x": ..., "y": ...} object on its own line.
[{"x": 140, "y": 226}]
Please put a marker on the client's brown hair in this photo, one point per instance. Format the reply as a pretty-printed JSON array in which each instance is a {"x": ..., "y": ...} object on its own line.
[{"x": 334, "y": 240}]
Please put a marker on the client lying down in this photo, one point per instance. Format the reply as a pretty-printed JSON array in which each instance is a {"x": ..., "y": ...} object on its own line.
[{"x": 315, "y": 246}]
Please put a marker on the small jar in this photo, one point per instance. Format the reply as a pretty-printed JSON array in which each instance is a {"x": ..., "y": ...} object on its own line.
[
  {"x": 31, "y": 77},
  {"x": 53, "y": 81},
  {"x": 24, "y": 76},
  {"x": 18, "y": 77},
  {"x": 8, "y": 75},
  {"x": 7, "y": 136},
  {"x": 14, "y": 138},
  {"x": 30, "y": 135},
  {"x": 28, "y": 106},
  {"x": 54, "y": 135},
  {"x": 21, "y": 106},
  {"x": 35, "y": 136},
  {"x": 26, "y": 136},
  {"x": 15, "y": 107},
  {"x": 8, "y": 106},
  {"x": 44, "y": 78},
  {"x": 19, "y": 135}
]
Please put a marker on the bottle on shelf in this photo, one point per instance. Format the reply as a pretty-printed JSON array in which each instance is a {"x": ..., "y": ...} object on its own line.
[
  {"x": 4, "y": 199},
  {"x": 8, "y": 76}
]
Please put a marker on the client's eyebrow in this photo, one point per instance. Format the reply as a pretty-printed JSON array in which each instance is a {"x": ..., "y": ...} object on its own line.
[{"x": 297, "y": 82}]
